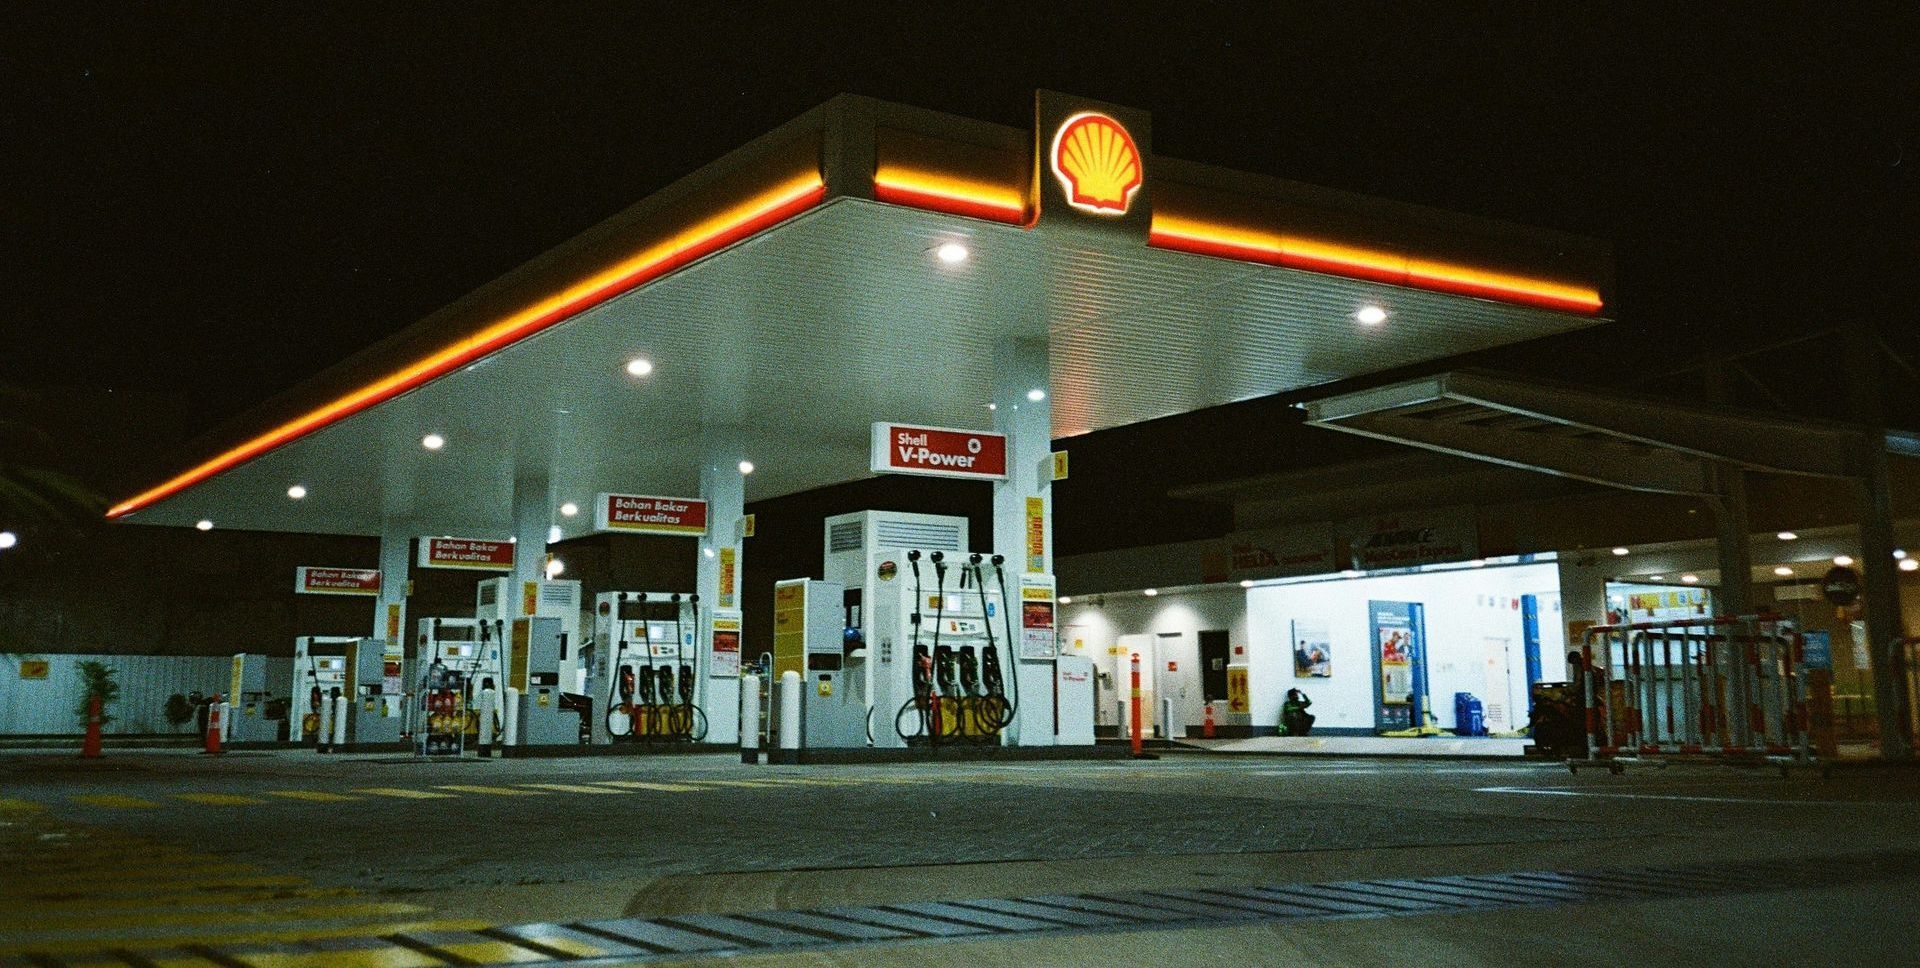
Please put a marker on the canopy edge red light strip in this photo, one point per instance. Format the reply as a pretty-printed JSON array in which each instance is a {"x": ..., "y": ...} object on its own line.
[{"x": 756, "y": 214}]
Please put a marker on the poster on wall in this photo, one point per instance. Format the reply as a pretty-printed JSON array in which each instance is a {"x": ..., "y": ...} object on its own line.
[
  {"x": 1036, "y": 617},
  {"x": 725, "y": 662},
  {"x": 1398, "y": 655},
  {"x": 1312, "y": 650}
]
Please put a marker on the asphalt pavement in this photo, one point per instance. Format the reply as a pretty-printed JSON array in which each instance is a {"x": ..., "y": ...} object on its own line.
[{"x": 290, "y": 857}]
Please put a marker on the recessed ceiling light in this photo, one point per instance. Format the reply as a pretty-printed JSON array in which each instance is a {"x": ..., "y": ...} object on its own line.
[
  {"x": 1843, "y": 560},
  {"x": 1900, "y": 554},
  {"x": 746, "y": 467},
  {"x": 555, "y": 568},
  {"x": 1623, "y": 552},
  {"x": 204, "y": 525},
  {"x": 1151, "y": 592},
  {"x": 1246, "y": 583},
  {"x": 297, "y": 491},
  {"x": 1786, "y": 536},
  {"x": 1066, "y": 599},
  {"x": 1910, "y": 564},
  {"x": 433, "y": 441},
  {"x": 1783, "y": 571},
  {"x": 951, "y": 253},
  {"x": 1656, "y": 578},
  {"x": 707, "y": 551},
  {"x": 1351, "y": 573},
  {"x": 1477, "y": 563},
  {"x": 1036, "y": 395},
  {"x": 553, "y": 534},
  {"x": 569, "y": 509},
  {"x": 1689, "y": 579},
  {"x": 1371, "y": 315},
  {"x": 639, "y": 366},
  {"x": 993, "y": 406},
  {"x": 8, "y": 539}
]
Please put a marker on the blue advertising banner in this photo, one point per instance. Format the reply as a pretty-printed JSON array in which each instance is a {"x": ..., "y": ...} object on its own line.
[
  {"x": 1818, "y": 652},
  {"x": 1399, "y": 664}
]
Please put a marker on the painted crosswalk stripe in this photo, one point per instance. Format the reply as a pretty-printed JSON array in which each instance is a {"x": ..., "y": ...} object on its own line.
[
  {"x": 570, "y": 788},
  {"x": 113, "y": 801},
  {"x": 644, "y": 785},
  {"x": 404, "y": 794},
  {"x": 314, "y": 796},
  {"x": 493, "y": 790},
  {"x": 219, "y": 799}
]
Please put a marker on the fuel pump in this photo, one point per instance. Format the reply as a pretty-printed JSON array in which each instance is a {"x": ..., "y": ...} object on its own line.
[
  {"x": 939, "y": 667},
  {"x": 450, "y": 658},
  {"x": 643, "y": 667}
]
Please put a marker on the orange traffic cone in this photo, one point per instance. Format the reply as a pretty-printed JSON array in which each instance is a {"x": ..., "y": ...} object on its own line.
[{"x": 90, "y": 748}]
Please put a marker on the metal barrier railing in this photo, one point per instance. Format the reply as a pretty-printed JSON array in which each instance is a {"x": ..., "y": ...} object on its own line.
[{"x": 1731, "y": 686}]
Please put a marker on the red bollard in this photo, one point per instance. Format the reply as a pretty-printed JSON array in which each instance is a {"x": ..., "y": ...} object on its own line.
[
  {"x": 1206, "y": 723},
  {"x": 213, "y": 728},
  {"x": 90, "y": 748},
  {"x": 1134, "y": 706}
]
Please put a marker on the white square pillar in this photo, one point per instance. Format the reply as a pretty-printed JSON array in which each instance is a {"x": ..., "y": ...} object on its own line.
[
  {"x": 532, "y": 518},
  {"x": 718, "y": 572},
  {"x": 1023, "y": 517}
]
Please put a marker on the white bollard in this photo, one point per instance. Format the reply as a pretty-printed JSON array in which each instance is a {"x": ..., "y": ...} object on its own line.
[
  {"x": 226, "y": 722},
  {"x": 340, "y": 720},
  {"x": 1166, "y": 718},
  {"x": 1126, "y": 724},
  {"x": 323, "y": 739},
  {"x": 749, "y": 719},
  {"x": 489, "y": 702},
  {"x": 789, "y": 710},
  {"x": 510, "y": 721}
]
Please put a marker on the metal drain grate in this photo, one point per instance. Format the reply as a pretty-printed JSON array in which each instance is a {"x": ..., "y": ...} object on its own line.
[{"x": 629, "y": 940}]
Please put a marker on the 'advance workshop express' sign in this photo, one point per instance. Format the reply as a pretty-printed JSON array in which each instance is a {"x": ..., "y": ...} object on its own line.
[
  {"x": 473, "y": 553},
  {"x": 644, "y": 514},
  {"x": 336, "y": 581},
  {"x": 938, "y": 452}
]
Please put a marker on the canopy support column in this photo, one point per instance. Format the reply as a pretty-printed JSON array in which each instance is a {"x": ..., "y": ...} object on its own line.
[
  {"x": 1023, "y": 513},
  {"x": 532, "y": 517},
  {"x": 718, "y": 571},
  {"x": 1878, "y": 570},
  {"x": 390, "y": 610}
]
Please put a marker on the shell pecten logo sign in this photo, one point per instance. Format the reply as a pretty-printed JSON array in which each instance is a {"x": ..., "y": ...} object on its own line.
[{"x": 1097, "y": 163}]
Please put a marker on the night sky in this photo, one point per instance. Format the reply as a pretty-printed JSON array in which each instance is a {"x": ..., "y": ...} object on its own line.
[{"x": 214, "y": 202}]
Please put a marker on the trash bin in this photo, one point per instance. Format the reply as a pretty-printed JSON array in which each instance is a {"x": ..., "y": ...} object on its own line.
[{"x": 1469, "y": 715}]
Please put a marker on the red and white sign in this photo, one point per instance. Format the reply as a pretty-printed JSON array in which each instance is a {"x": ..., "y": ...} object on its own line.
[
  {"x": 645, "y": 514},
  {"x": 474, "y": 553},
  {"x": 938, "y": 452},
  {"x": 336, "y": 581}
]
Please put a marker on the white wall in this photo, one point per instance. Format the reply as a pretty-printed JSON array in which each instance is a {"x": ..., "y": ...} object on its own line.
[
  {"x": 1463, "y": 609},
  {"x": 31, "y": 707},
  {"x": 1091, "y": 627}
]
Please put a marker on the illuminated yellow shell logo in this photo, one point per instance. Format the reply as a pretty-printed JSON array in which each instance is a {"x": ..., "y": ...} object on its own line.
[{"x": 1097, "y": 164}]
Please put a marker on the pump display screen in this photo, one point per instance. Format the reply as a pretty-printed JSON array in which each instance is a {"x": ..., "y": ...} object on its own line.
[{"x": 330, "y": 664}]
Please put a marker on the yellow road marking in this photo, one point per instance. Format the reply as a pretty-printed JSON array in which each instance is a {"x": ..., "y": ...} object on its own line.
[
  {"x": 404, "y": 794},
  {"x": 193, "y": 900},
  {"x": 389, "y": 956},
  {"x": 157, "y": 885},
  {"x": 740, "y": 783},
  {"x": 9, "y": 803},
  {"x": 643, "y": 785},
  {"x": 571, "y": 788},
  {"x": 114, "y": 800},
  {"x": 220, "y": 799},
  {"x": 376, "y": 929},
  {"x": 40, "y": 922},
  {"x": 492, "y": 952},
  {"x": 316, "y": 796},
  {"x": 494, "y": 790}
]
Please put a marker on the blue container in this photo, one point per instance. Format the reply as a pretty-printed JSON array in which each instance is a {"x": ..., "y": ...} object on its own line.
[{"x": 1469, "y": 715}]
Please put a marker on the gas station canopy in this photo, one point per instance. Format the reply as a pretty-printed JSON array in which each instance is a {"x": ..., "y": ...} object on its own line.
[{"x": 809, "y": 284}]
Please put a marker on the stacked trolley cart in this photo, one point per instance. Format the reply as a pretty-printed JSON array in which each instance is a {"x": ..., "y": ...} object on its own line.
[{"x": 1730, "y": 689}]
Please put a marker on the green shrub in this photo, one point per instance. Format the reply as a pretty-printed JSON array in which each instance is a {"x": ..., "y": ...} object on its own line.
[{"x": 97, "y": 680}]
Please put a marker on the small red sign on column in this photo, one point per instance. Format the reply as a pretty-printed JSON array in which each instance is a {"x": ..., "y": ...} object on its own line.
[
  {"x": 336, "y": 581},
  {"x": 649, "y": 514}
]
